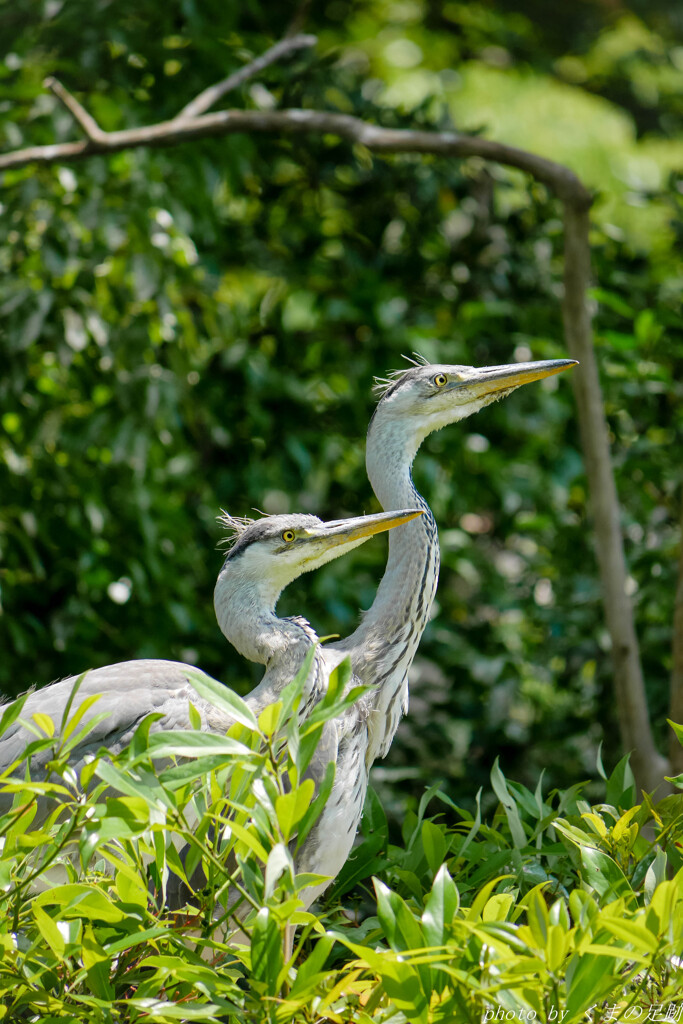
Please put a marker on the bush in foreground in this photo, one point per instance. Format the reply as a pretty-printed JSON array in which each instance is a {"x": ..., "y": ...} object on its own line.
[{"x": 555, "y": 910}]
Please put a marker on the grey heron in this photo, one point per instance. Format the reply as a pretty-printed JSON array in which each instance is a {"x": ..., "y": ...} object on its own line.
[
  {"x": 267, "y": 555},
  {"x": 414, "y": 403}
]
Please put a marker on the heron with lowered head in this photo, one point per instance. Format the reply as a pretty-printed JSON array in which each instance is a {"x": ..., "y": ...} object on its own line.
[{"x": 267, "y": 555}]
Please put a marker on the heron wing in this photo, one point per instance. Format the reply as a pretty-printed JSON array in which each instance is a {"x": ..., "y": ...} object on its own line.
[{"x": 126, "y": 693}]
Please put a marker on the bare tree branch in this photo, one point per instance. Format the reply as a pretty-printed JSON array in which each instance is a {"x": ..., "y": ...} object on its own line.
[
  {"x": 206, "y": 99},
  {"x": 78, "y": 112},
  {"x": 300, "y": 122}
]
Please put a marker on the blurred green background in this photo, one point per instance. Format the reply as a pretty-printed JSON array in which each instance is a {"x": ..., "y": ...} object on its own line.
[{"x": 198, "y": 327}]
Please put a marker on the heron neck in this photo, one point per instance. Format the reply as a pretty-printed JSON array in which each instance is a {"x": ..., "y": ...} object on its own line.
[
  {"x": 400, "y": 611},
  {"x": 245, "y": 610},
  {"x": 258, "y": 634},
  {"x": 382, "y": 648}
]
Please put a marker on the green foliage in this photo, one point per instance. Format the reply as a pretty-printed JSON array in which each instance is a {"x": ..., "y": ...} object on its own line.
[{"x": 556, "y": 907}]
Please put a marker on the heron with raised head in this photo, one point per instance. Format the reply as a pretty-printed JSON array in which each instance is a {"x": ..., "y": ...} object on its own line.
[{"x": 413, "y": 403}]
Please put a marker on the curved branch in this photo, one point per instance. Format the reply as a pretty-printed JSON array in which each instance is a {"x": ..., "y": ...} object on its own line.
[{"x": 561, "y": 179}]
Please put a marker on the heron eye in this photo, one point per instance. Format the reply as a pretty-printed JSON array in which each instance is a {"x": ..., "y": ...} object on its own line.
[
  {"x": 288, "y": 536},
  {"x": 440, "y": 379}
]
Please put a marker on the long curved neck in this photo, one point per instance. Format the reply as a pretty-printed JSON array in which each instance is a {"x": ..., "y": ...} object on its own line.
[
  {"x": 246, "y": 616},
  {"x": 392, "y": 627},
  {"x": 384, "y": 645}
]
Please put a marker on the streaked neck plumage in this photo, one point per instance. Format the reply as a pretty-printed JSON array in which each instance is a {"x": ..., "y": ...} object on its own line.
[
  {"x": 245, "y": 609},
  {"x": 384, "y": 645}
]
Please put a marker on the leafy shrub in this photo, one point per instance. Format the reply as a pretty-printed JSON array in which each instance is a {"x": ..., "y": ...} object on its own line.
[{"x": 555, "y": 910}]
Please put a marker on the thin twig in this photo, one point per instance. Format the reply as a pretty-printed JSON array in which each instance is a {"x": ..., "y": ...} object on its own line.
[
  {"x": 78, "y": 112},
  {"x": 206, "y": 99}
]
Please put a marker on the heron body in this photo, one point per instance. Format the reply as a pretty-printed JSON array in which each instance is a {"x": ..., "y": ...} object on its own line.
[
  {"x": 267, "y": 555},
  {"x": 413, "y": 404}
]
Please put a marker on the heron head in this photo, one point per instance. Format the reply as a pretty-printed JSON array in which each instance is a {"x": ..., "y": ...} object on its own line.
[
  {"x": 268, "y": 554},
  {"x": 428, "y": 396}
]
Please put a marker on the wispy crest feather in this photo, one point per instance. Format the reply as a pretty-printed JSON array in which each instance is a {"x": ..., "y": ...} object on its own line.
[
  {"x": 381, "y": 385},
  {"x": 235, "y": 526}
]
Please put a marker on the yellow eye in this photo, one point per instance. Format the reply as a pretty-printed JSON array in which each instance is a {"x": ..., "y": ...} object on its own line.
[
  {"x": 288, "y": 536},
  {"x": 440, "y": 379}
]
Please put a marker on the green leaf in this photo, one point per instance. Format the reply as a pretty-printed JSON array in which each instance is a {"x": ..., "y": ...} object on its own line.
[
  {"x": 177, "y": 775},
  {"x": 270, "y": 718},
  {"x": 440, "y": 907},
  {"x": 482, "y": 898},
  {"x": 194, "y": 744},
  {"x": 510, "y": 807},
  {"x": 634, "y": 934},
  {"x": 556, "y": 947},
  {"x": 125, "y": 783},
  {"x": 139, "y": 745},
  {"x": 310, "y": 817},
  {"x": 279, "y": 863},
  {"x": 655, "y": 874},
  {"x": 612, "y": 300},
  {"x": 407, "y": 993},
  {"x": 538, "y": 918},
  {"x": 49, "y": 930},
  {"x": 374, "y": 820},
  {"x": 223, "y": 698},
  {"x": 291, "y": 807},
  {"x": 95, "y": 960},
  {"x": 266, "y": 951},
  {"x": 44, "y": 722},
  {"x": 590, "y": 977},
  {"x": 246, "y": 836},
  {"x": 621, "y": 785},
  {"x": 362, "y": 863},
  {"x": 131, "y": 889},
  {"x": 434, "y": 844},
  {"x": 12, "y": 712},
  {"x": 70, "y": 722},
  {"x": 426, "y": 798},
  {"x": 194, "y": 716},
  {"x": 80, "y": 900},
  {"x": 400, "y": 927},
  {"x": 92, "y": 952},
  {"x": 308, "y": 972},
  {"x": 497, "y": 907},
  {"x": 604, "y": 874},
  {"x": 598, "y": 763},
  {"x": 290, "y": 697},
  {"x": 476, "y": 825}
]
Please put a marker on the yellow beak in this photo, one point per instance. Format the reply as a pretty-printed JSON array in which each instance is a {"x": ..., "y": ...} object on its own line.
[
  {"x": 343, "y": 531},
  {"x": 490, "y": 379}
]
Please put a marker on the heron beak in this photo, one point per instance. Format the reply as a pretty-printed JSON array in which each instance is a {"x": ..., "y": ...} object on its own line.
[
  {"x": 344, "y": 531},
  {"x": 491, "y": 379}
]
